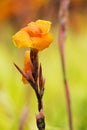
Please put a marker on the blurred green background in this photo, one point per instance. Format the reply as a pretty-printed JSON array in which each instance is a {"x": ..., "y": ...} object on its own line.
[{"x": 14, "y": 94}]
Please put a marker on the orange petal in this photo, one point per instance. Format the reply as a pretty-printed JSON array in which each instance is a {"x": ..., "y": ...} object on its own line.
[
  {"x": 27, "y": 65},
  {"x": 27, "y": 61},
  {"x": 21, "y": 39},
  {"x": 43, "y": 25},
  {"x": 43, "y": 42},
  {"x": 33, "y": 30}
]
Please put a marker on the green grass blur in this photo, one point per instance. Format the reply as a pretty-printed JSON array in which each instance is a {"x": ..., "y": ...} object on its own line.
[{"x": 14, "y": 94}]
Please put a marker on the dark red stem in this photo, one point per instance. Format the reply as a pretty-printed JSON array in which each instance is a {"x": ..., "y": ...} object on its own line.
[
  {"x": 34, "y": 59},
  {"x": 40, "y": 104}
]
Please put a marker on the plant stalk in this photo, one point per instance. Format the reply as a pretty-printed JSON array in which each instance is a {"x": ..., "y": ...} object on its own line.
[
  {"x": 66, "y": 88},
  {"x": 63, "y": 12}
]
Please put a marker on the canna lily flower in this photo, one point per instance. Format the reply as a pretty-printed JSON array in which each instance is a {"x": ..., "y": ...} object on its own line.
[
  {"x": 35, "y": 35},
  {"x": 27, "y": 66}
]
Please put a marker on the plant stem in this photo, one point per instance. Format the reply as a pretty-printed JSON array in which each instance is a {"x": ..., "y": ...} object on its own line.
[
  {"x": 66, "y": 89},
  {"x": 40, "y": 103},
  {"x": 62, "y": 35},
  {"x": 40, "y": 118}
]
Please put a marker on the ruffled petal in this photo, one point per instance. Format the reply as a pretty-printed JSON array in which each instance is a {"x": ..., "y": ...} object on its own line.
[
  {"x": 33, "y": 30},
  {"x": 43, "y": 42},
  {"x": 43, "y": 25},
  {"x": 22, "y": 39}
]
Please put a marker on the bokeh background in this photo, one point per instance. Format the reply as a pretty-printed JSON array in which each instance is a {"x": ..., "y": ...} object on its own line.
[{"x": 15, "y": 14}]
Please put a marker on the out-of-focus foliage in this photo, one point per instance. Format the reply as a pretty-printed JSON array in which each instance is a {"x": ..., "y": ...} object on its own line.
[
  {"x": 14, "y": 95},
  {"x": 21, "y": 12}
]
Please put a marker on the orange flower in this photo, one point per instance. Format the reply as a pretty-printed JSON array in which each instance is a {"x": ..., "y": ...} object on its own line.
[
  {"x": 27, "y": 66},
  {"x": 35, "y": 35}
]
